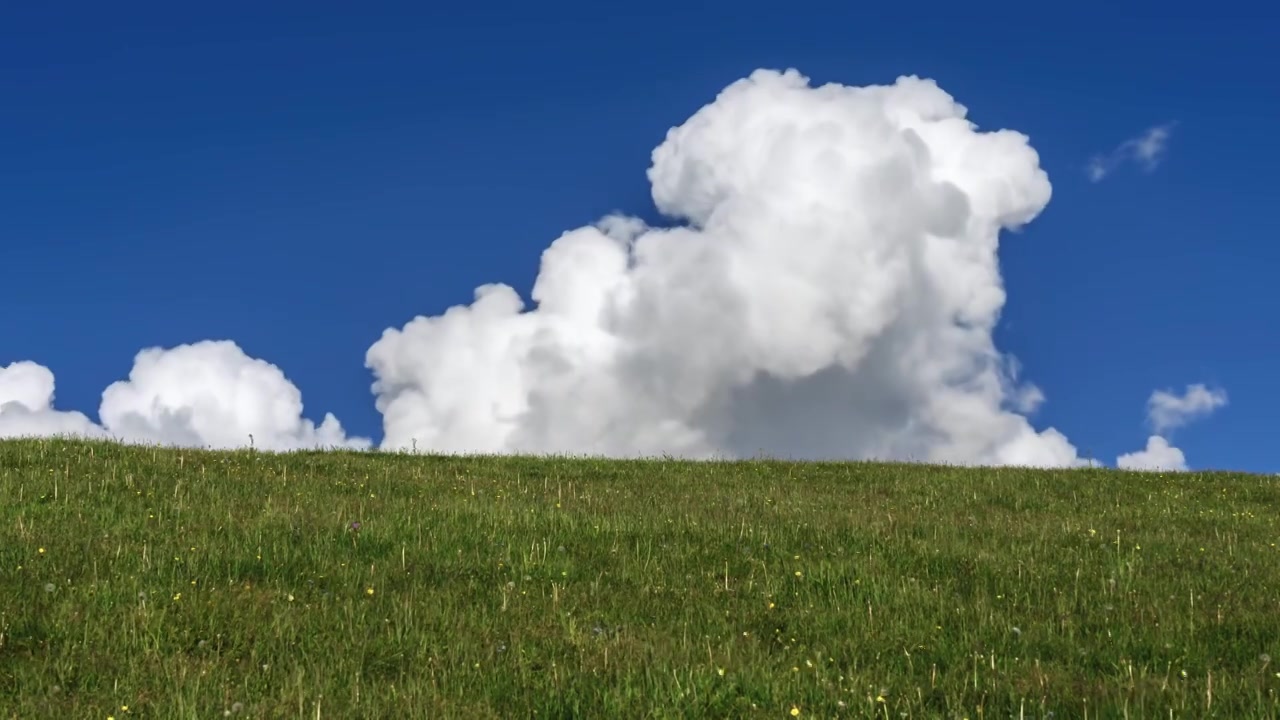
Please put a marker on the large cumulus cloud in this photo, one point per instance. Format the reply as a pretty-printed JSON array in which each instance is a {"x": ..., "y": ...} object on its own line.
[{"x": 830, "y": 291}]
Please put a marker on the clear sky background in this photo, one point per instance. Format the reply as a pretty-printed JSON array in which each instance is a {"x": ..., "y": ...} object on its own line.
[{"x": 297, "y": 177}]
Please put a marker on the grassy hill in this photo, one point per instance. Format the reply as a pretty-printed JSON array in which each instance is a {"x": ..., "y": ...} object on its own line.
[{"x": 150, "y": 583}]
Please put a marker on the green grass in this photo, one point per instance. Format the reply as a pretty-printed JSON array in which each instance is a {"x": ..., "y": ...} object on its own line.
[{"x": 187, "y": 584}]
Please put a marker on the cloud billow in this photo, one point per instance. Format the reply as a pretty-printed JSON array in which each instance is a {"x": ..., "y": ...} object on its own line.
[
  {"x": 831, "y": 293},
  {"x": 207, "y": 394}
]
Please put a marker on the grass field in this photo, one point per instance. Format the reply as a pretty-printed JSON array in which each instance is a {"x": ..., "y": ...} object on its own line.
[{"x": 148, "y": 583}]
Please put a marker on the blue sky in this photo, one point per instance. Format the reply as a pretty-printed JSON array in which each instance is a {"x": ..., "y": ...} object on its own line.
[{"x": 299, "y": 178}]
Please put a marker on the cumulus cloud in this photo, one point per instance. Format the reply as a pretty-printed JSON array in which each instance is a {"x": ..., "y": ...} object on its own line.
[
  {"x": 208, "y": 394},
  {"x": 1167, "y": 411},
  {"x": 1146, "y": 149},
  {"x": 829, "y": 289},
  {"x": 1158, "y": 455},
  {"x": 26, "y": 405}
]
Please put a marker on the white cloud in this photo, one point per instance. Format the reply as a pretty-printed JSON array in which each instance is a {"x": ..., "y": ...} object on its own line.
[
  {"x": 830, "y": 292},
  {"x": 1158, "y": 455},
  {"x": 26, "y": 405},
  {"x": 833, "y": 294},
  {"x": 209, "y": 394},
  {"x": 1146, "y": 149},
  {"x": 1167, "y": 411}
]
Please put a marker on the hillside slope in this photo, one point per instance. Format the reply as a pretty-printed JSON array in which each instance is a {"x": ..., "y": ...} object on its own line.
[{"x": 143, "y": 582}]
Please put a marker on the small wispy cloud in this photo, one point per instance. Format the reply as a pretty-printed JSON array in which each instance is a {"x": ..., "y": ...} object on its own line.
[
  {"x": 1146, "y": 149},
  {"x": 1166, "y": 410}
]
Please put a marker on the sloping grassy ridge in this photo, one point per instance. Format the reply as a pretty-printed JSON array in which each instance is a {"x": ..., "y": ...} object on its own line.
[{"x": 152, "y": 583}]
